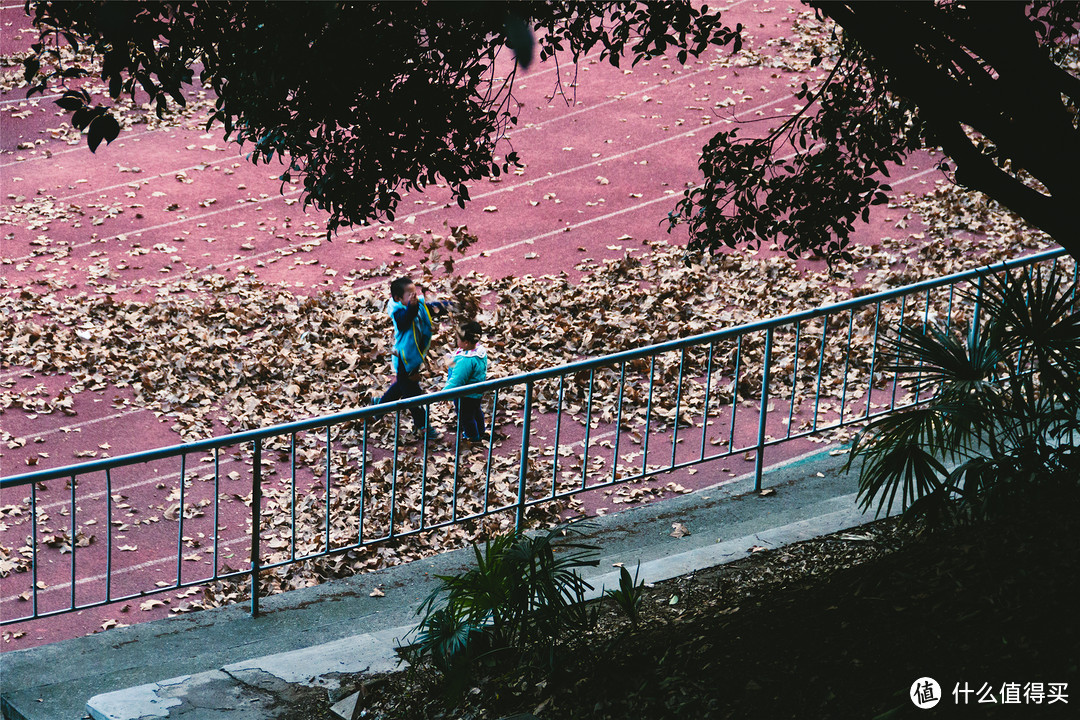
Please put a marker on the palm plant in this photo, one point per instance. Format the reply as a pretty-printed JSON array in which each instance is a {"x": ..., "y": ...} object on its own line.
[
  {"x": 523, "y": 593},
  {"x": 1002, "y": 418}
]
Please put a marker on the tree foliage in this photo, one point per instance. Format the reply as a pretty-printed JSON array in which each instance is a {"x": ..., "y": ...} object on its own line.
[
  {"x": 359, "y": 100},
  {"x": 363, "y": 101},
  {"x": 994, "y": 84}
]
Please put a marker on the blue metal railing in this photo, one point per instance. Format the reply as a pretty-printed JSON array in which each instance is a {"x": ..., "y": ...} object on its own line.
[{"x": 363, "y": 482}]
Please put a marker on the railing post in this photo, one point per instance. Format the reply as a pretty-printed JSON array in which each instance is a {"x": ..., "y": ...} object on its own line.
[
  {"x": 759, "y": 463},
  {"x": 973, "y": 333},
  {"x": 34, "y": 547},
  {"x": 256, "y": 522},
  {"x": 523, "y": 473}
]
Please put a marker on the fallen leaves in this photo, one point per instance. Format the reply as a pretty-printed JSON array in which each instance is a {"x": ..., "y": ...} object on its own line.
[
  {"x": 243, "y": 354},
  {"x": 679, "y": 530}
]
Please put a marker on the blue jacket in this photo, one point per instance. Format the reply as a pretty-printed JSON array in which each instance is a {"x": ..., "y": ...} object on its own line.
[
  {"x": 469, "y": 367},
  {"x": 412, "y": 335}
]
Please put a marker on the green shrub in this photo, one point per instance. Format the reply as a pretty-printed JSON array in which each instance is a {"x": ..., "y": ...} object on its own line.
[
  {"x": 1002, "y": 423},
  {"x": 523, "y": 594}
]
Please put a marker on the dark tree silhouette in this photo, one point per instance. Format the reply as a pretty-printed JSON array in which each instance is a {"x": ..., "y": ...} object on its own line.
[
  {"x": 359, "y": 100},
  {"x": 364, "y": 100},
  {"x": 994, "y": 84}
]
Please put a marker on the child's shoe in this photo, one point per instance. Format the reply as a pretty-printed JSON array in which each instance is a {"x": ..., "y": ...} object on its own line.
[{"x": 428, "y": 433}]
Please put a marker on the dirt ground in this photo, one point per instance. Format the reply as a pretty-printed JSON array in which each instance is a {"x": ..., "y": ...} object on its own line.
[{"x": 836, "y": 627}]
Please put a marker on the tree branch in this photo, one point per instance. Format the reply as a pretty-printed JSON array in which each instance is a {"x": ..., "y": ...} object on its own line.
[
  {"x": 1037, "y": 147},
  {"x": 976, "y": 170}
]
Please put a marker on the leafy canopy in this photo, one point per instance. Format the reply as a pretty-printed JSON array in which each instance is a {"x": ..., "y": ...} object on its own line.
[
  {"x": 995, "y": 84},
  {"x": 359, "y": 100},
  {"x": 364, "y": 100}
]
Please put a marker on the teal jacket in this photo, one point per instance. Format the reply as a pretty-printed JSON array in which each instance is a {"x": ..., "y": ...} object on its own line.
[
  {"x": 468, "y": 368},
  {"x": 412, "y": 335}
]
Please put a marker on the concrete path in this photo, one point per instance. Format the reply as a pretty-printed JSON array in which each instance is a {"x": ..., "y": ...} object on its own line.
[{"x": 221, "y": 662}]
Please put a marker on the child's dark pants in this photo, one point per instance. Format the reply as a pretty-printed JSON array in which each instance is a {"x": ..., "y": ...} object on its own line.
[
  {"x": 471, "y": 418},
  {"x": 404, "y": 387}
]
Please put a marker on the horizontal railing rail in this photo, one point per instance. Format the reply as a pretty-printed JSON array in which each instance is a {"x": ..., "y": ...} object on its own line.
[{"x": 614, "y": 419}]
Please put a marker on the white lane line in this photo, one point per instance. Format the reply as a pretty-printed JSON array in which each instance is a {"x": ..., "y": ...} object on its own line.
[
  {"x": 69, "y": 428},
  {"x": 600, "y": 218},
  {"x": 79, "y": 148},
  {"x": 97, "y": 494},
  {"x": 66, "y": 586},
  {"x": 912, "y": 177},
  {"x": 161, "y": 226},
  {"x": 651, "y": 88},
  {"x": 141, "y": 181},
  {"x": 29, "y": 100},
  {"x": 619, "y": 98}
]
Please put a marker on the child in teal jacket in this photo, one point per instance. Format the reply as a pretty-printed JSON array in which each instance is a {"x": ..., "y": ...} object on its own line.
[
  {"x": 468, "y": 365},
  {"x": 410, "y": 314}
]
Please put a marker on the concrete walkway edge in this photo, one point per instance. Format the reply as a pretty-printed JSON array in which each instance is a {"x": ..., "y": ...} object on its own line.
[{"x": 376, "y": 653}]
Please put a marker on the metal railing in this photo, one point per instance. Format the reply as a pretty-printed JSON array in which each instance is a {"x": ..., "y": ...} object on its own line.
[{"x": 345, "y": 483}]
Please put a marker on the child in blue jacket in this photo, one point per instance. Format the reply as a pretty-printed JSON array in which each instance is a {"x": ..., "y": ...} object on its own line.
[
  {"x": 468, "y": 365},
  {"x": 411, "y": 315}
]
